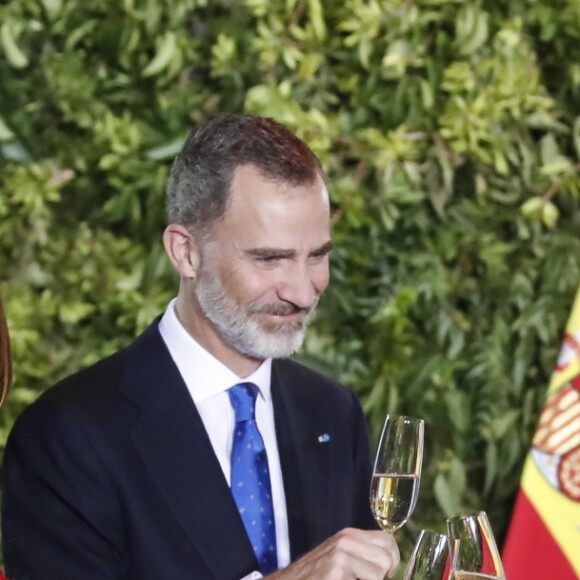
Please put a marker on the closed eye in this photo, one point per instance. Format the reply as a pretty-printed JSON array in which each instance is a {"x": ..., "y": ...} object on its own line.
[
  {"x": 273, "y": 256},
  {"x": 269, "y": 259}
]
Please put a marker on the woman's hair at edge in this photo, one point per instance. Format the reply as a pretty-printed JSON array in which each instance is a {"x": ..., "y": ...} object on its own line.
[{"x": 5, "y": 356}]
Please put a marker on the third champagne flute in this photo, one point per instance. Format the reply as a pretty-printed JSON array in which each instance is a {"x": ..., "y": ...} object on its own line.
[
  {"x": 474, "y": 554},
  {"x": 397, "y": 471}
]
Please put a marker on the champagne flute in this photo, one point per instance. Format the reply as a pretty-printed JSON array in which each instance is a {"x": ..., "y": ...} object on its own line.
[
  {"x": 397, "y": 471},
  {"x": 430, "y": 559},
  {"x": 474, "y": 553}
]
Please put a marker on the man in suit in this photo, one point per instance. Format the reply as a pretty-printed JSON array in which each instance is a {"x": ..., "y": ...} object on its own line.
[{"x": 200, "y": 451}]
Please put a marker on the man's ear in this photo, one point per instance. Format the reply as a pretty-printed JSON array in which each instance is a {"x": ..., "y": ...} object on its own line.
[{"x": 182, "y": 250}]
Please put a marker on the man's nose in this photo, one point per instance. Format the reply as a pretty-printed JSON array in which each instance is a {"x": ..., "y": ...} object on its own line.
[{"x": 299, "y": 287}]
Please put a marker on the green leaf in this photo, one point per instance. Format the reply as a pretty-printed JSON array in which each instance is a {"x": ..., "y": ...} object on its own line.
[
  {"x": 317, "y": 18},
  {"x": 491, "y": 467},
  {"x": 166, "y": 51},
  {"x": 14, "y": 54},
  {"x": 550, "y": 214},
  {"x": 532, "y": 206},
  {"x": 457, "y": 404},
  {"x": 449, "y": 489}
]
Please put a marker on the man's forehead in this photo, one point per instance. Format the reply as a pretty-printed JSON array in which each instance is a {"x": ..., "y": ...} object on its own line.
[
  {"x": 265, "y": 213},
  {"x": 250, "y": 172},
  {"x": 251, "y": 186}
]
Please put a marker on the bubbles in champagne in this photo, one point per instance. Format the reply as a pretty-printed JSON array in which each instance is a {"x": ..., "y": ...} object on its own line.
[{"x": 393, "y": 499}]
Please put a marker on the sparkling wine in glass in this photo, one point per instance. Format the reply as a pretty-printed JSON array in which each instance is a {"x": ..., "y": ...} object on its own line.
[
  {"x": 397, "y": 472},
  {"x": 474, "y": 553},
  {"x": 430, "y": 559}
]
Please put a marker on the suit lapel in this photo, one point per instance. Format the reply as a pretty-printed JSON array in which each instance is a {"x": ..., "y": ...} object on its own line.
[
  {"x": 305, "y": 461},
  {"x": 176, "y": 449}
]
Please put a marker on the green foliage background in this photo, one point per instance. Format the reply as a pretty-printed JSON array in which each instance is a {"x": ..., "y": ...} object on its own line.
[{"x": 451, "y": 135}]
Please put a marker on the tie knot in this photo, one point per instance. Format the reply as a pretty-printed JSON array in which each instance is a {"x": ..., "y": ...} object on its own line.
[{"x": 243, "y": 400}]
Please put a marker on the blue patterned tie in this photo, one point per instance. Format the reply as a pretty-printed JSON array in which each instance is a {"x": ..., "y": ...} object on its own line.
[{"x": 250, "y": 477}]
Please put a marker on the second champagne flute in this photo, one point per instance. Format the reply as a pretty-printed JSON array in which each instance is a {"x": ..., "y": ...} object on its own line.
[
  {"x": 397, "y": 472},
  {"x": 430, "y": 558}
]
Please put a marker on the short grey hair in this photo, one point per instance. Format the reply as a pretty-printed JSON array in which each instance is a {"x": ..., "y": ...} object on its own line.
[{"x": 201, "y": 176}]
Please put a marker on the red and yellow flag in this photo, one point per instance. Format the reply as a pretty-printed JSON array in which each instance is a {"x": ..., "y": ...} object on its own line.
[{"x": 543, "y": 541}]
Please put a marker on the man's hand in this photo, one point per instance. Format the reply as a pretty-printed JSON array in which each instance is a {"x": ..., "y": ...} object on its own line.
[{"x": 349, "y": 554}]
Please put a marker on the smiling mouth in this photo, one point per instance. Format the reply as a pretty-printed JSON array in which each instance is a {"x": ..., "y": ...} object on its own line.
[
  {"x": 289, "y": 316},
  {"x": 281, "y": 310},
  {"x": 284, "y": 316}
]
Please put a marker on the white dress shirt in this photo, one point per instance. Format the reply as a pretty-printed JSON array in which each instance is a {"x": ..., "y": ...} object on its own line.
[{"x": 208, "y": 380}]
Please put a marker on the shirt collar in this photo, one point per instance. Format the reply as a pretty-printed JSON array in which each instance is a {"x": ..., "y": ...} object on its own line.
[{"x": 204, "y": 375}]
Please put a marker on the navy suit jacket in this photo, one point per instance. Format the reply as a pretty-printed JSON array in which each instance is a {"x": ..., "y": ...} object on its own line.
[{"x": 111, "y": 475}]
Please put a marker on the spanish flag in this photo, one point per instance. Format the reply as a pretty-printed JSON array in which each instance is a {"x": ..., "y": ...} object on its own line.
[{"x": 543, "y": 541}]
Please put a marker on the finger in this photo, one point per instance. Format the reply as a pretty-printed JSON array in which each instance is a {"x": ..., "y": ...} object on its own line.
[
  {"x": 367, "y": 553},
  {"x": 378, "y": 538},
  {"x": 394, "y": 554},
  {"x": 379, "y": 548},
  {"x": 377, "y": 567}
]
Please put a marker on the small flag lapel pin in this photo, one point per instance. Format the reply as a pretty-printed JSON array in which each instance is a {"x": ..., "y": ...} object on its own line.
[{"x": 324, "y": 438}]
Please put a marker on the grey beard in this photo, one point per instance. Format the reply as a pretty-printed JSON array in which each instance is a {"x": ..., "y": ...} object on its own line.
[{"x": 238, "y": 327}]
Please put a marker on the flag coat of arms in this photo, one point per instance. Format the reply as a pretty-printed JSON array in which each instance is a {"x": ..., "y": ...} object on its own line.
[{"x": 543, "y": 541}]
